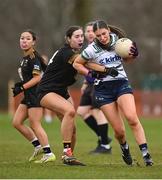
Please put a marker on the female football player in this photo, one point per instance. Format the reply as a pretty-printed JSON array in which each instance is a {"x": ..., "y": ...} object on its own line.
[
  {"x": 53, "y": 89},
  {"x": 112, "y": 90},
  {"x": 88, "y": 109},
  {"x": 30, "y": 70}
]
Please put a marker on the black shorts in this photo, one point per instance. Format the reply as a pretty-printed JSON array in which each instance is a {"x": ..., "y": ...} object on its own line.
[
  {"x": 30, "y": 100},
  {"x": 60, "y": 91},
  {"x": 88, "y": 98}
]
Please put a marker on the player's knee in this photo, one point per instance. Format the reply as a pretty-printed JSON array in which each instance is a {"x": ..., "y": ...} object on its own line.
[
  {"x": 82, "y": 112},
  {"x": 130, "y": 115},
  {"x": 133, "y": 123},
  {"x": 132, "y": 120},
  {"x": 71, "y": 112},
  {"x": 15, "y": 124},
  {"x": 119, "y": 134},
  {"x": 34, "y": 125}
]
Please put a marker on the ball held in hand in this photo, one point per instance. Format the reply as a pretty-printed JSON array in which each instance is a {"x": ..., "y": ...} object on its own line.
[{"x": 123, "y": 46}]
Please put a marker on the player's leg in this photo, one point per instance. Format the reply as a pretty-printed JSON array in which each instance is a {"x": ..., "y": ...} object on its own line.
[
  {"x": 18, "y": 122},
  {"x": 86, "y": 114},
  {"x": 127, "y": 106},
  {"x": 59, "y": 104},
  {"x": 112, "y": 113},
  {"x": 35, "y": 117},
  {"x": 103, "y": 128},
  {"x": 84, "y": 110},
  {"x": 73, "y": 140}
]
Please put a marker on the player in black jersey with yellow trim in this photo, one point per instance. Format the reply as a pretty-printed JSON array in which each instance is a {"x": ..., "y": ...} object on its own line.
[
  {"x": 53, "y": 89},
  {"x": 30, "y": 70}
]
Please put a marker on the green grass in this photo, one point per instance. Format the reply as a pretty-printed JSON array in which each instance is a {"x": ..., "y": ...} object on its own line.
[{"x": 15, "y": 150}]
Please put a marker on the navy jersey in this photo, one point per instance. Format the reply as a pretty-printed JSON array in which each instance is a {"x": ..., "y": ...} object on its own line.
[{"x": 60, "y": 72}]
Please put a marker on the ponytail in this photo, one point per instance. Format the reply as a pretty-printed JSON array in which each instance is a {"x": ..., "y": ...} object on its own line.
[{"x": 118, "y": 31}]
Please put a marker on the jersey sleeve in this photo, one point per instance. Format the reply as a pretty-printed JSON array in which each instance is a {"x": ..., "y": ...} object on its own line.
[
  {"x": 37, "y": 69},
  {"x": 88, "y": 53}
]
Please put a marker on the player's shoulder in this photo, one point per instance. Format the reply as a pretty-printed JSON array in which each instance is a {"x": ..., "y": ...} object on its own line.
[
  {"x": 92, "y": 47},
  {"x": 65, "y": 50}
]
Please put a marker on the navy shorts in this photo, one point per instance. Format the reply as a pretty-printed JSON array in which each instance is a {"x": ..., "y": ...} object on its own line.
[{"x": 109, "y": 91}]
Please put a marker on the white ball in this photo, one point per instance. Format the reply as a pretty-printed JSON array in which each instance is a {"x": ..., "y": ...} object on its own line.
[{"x": 122, "y": 47}]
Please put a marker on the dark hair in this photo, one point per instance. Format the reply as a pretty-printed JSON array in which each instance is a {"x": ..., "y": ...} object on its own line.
[
  {"x": 120, "y": 32},
  {"x": 91, "y": 23},
  {"x": 43, "y": 65},
  {"x": 32, "y": 33},
  {"x": 70, "y": 31},
  {"x": 99, "y": 25},
  {"x": 102, "y": 24}
]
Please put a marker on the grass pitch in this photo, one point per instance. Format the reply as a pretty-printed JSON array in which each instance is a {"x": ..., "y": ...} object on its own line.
[{"x": 15, "y": 151}]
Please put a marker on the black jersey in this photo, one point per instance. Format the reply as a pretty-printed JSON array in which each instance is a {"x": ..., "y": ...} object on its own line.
[
  {"x": 30, "y": 65},
  {"x": 60, "y": 72}
]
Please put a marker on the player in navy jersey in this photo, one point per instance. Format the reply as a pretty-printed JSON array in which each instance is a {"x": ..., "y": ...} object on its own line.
[
  {"x": 53, "y": 89},
  {"x": 112, "y": 90},
  {"x": 30, "y": 69},
  {"x": 89, "y": 110}
]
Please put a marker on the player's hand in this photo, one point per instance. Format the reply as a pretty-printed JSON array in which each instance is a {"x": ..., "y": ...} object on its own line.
[
  {"x": 108, "y": 71},
  {"x": 95, "y": 75},
  {"x": 134, "y": 50},
  {"x": 17, "y": 89},
  {"x": 89, "y": 79},
  {"x": 111, "y": 71}
]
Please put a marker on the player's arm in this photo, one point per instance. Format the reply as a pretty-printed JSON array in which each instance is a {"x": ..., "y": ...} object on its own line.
[
  {"x": 82, "y": 66},
  {"x": 20, "y": 86},
  {"x": 35, "y": 80}
]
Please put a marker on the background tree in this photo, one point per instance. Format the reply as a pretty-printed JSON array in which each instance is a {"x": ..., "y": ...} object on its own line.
[{"x": 50, "y": 18}]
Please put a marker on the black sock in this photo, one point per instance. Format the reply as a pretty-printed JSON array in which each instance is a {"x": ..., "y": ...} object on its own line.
[
  {"x": 46, "y": 150},
  {"x": 144, "y": 149},
  {"x": 35, "y": 143},
  {"x": 91, "y": 122},
  {"x": 67, "y": 145},
  {"x": 103, "y": 130},
  {"x": 124, "y": 146}
]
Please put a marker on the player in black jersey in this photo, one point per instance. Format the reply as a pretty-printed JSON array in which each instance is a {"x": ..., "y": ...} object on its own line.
[
  {"x": 53, "y": 89},
  {"x": 30, "y": 69}
]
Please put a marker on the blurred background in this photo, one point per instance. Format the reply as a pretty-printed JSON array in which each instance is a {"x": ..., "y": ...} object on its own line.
[{"x": 141, "y": 19}]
